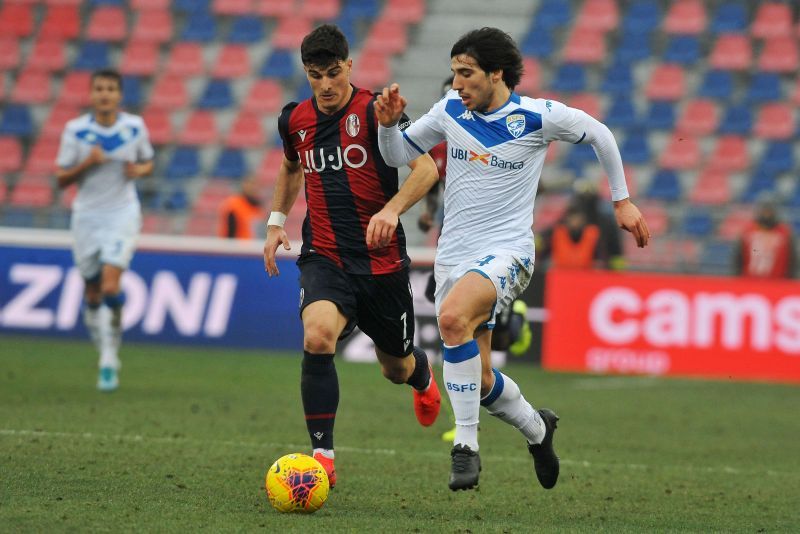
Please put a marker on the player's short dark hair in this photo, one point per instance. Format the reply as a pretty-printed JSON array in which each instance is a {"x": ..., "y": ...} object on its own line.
[
  {"x": 109, "y": 74},
  {"x": 324, "y": 46},
  {"x": 493, "y": 49}
]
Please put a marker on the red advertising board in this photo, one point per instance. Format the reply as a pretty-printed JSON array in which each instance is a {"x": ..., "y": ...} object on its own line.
[{"x": 672, "y": 325}]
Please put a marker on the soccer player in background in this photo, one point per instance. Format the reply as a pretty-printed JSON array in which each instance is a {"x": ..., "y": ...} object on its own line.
[
  {"x": 497, "y": 143},
  {"x": 103, "y": 152},
  {"x": 353, "y": 262}
]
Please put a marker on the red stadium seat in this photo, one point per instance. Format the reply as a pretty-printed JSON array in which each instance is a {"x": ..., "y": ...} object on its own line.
[
  {"x": 685, "y": 17},
  {"x": 588, "y": 102},
  {"x": 779, "y": 54},
  {"x": 657, "y": 217},
  {"x": 246, "y": 132},
  {"x": 212, "y": 195},
  {"x": 169, "y": 92},
  {"x": 75, "y": 89},
  {"x": 711, "y": 187},
  {"x": 775, "y": 121},
  {"x": 42, "y": 159},
  {"x": 682, "y": 153},
  {"x": 267, "y": 172},
  {"x": 153, "y": 26},
  {"x": 274, "y": 8},
  {"x": 699, "y": 117},
  {"x": 548, "y": 210},
  {"x": 772, "y": 19},
  {"x": 58, "y": 118},
  {"x": 735, "y": 222},
  {"x": 731, "y": 52},
  {"x": 158, "y": 125},
  {"x": 61, "y": 21},
  {"x": 320, "y": 9},
  {"x": 529, "y": 84},
  {"x": 290, "y": 31},
  {"x": 186, "y": 59},
  {"x": 585, "y": 46},
  {"x": 666, "y": 83},
  {"x": 264, "y": 96},
  {"x": 67, "y": 196},
  {"x": 155, "y": 223},
  {"x": 796, "y": 94},
  {"x": 9, "y": 53},
  {"x": 409, "y": 11},
  {"x": 372, "y": 70},
  {"x": 107, "y": 23},
  {"x": 32, "y": 193},
  {"x": 200, "y": 129},
  {"x": 64, "y": 2},
  {"x": 3, "y": 191},
  {"x": 232, "y": 7},
  {"x": 48, "y": 55},
  {"x": 33, "y": 87},
  {"x": 730, "y": 154},
  {"x": 139, "y": 59},
  {"x": 16, "y": 20},
  {"x": 601, "y": 15},
  {"x": 387, "y": 36},
  {"x": 201, "y": 225},
  {"x": 150, "y": 4},
  {"x": 233, "y": 61},
  {"x": 10, "y": 155}
]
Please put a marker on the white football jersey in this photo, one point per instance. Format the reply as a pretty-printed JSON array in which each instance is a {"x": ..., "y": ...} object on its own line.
[
  {"x": 494, "y": 162},
  {"x": 105, "y": 187}
]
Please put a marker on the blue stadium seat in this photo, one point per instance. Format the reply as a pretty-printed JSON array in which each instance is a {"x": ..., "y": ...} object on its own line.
[
  {"x": 280, "y": 65},
  {"x": 177, "y": 200},
  {"x": 569, "y": 77},
  {"x": 17, "y": 217},
  {"x": 216, "y": 95},
  {"x": 716, "y": 257},
  {"x": 618, "y": 80},
  {"x": 794, "y": 202},
  {"x": 107, "y": 2},
  {"x": 634, "y": 46},
  {"x": 188, "y": 6},
  {"x": 717, "y": 84},
  {"x": 553, "y": 14},
  {"x": 361, "y": 9},
  {"x": 16, "y": 120},
  {"x": 246, "y": 30},
  {"x": 729, "y": 18},
  {"x": 698, "y": 223},
  {"x": 303, "y": 92},
  {"x": 621, "y": 113},
  {"x": 131, "y": 92},
  {"x": 666, "y": 186},
  {"x": 184, "y": 163},
  {"x": 92, "y": 55},
  {"x": 682, "y": 49},
  {"x": 538, "y": 44},
  {"x": 200, "y": 27},
  {"x": 759, "y": 183},
  {"x": 764, "y": 87},
  {"x": 777, "y": 158},
  {"x": 738, "y": 120},
  {"x": 661, "y": 116},
  {"x": 642, "y": 17},
  {"x": 231, "y": 164},
  {"x": 579, "y": 155},
  {"x": 635, "y": 149}
]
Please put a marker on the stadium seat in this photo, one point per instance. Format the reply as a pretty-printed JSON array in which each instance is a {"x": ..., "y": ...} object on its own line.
[
  {"x": 175, "y": 200},
  {"x": 153, "y": 26},
  {"x": 738, "y": 120},
  {"x": 699, "y": 117},
  {"x": 622, "y": 113},
  {"x": 214, "y": 192},
  {"x": 642, "y": 16},
  {"x": 159, "y": 125},
  {"x": 32, "y": 87},
  {"x": 233, "y": 61},
  {"x": 759, "y": 183},
  {"x": 716, "y": 84},
  {"x": 156, "y": 223},
  {"x": 772, "y": 19},
  {"x": 712, "y": 186},
  {"x": 387, "y": 36},
  {"x": 327, "y": 10},
  {"x": 200, "y": 27},
  {"x": 660, "y": 116},
  {"x": 75, "y": 89},
  {"x": 230, "y": 164},
  {"x": 16, "y": 120},
  {"x": 32, "y": 192},
  {"x": 169, "y": 92},
  {"x": 10, "y": 155},
  {"x": 16, "y": 19},
  {"x": 777, "y": 157},
  {"x": 665, "y": 185},
  {"x": 201, "y": 225},
  {"x": 92, "y": 56},
  {"x": 191, "y": 6},
  {"x": 246, "y": 30},
  {"x": 735, "y": 223},
  {"x": 267, "y": 172},
  {"x": 634, "y": 46},
  {"x": 185, "y": 59},
  {"x": 200, "y": 129},
  {"x": 359, "y": 79},
  {"x": 577, "y": 158},
  {"x": 131, "y": 93},
  {"x": 538, "y": 44},
  {"x": 9, "y": 53},
  {"x": 731, "y": 52},
  {"x": 553, "y": 14},
  {"x": 371, "y": 72},
  {"x": 635, "y": 149},
  {"x": 184, "y": 163},
  {"x": 730, "y": 154},
  {"x": 41, "y": 161},
  {"x": 569, "y": 78},
  {"x": 139, "y": 58},
  {"x": 246, "y": 132},
  {"x": 601, "y": 15},
  {"x": 150, "y": 4},
  {"x": 107, "y": 23},
  {"x": 264, "y": 96},
  {"x": 729, "y": 18},
  {"x": 47, "y": 55},
  {"x": 682, "y": 49},
  {"x": 657, "y": 217},
  {"x": 357, "y": 10},
  {"x": 216, "y": 95},
  {"x": 61, "y": 22},
  {"x": 280, "y": 64},
  {"x": 529, "y": 83},
  {"x": 275, "y": 8},
  {"x": 588, "y": 102},
  {"x": 585, "y": 47},
  {"x": 698, "y": 223},
  {"x": 779, "y": 54},
  {"x": 53, "y": 127},
  {"x": 681, "y": 153},
  {"x": 667, "y": 82},
  {"x": 289, "y": 32},
  {"x": 404, "y": 11},
  {"x": 685, "y": 17},
  {"x": 716, "y": 257},
  {"x": 775, "y": 120},
  {"x": 232, "y": 7},
  {"x": 764, "y": 87},
  {"x": 618, "y": 80}
]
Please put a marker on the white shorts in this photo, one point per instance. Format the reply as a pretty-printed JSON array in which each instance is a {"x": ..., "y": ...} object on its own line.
[
  {"x": 509, "y": 272},
  {"x": 105, "y": 238}
]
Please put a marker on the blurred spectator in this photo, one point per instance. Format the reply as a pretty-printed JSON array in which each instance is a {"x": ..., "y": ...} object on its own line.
[
  {"x": 609, "y": 247},
  {"x": 573, "y": 242},
  {"x": 241, "y": 214},
  {"x": 766, "y": 249}
]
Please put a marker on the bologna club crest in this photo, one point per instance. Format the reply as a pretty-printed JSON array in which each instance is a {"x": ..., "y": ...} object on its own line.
[{"x": 353, "y": 125}]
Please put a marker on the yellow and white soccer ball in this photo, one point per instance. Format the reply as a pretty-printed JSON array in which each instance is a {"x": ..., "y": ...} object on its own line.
[{"x": 297, "y": 483}]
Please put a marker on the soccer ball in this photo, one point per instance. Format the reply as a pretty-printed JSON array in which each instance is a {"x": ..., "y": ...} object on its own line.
[{"x": 297, "y": 483}]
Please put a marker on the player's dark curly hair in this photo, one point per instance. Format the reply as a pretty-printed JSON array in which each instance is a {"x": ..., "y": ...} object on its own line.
[
  {"x": 493, "y": 49},
  {"x": 324, "y": 46},
  {"x": 108, "y": 74}
]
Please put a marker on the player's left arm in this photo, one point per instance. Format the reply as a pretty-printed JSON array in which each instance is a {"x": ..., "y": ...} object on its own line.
[{"x": 145, "y": 162}]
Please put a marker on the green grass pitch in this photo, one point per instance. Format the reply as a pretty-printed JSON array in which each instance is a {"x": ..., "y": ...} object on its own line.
[{"x": 185, "y": 443}]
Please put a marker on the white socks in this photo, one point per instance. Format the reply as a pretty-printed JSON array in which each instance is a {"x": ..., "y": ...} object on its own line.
[
  {"x": 505, "y": 401},
  {"x": 98, "y": 323},
  {"x": 462, "y": 378}
]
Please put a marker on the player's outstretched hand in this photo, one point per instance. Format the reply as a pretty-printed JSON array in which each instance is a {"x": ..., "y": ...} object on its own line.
[
  {"x": 276, "y": 236},
  {"x": 381, "y": 228},
  {"x": 389, "y": 106},
  {"x": 631, "y": 219}
]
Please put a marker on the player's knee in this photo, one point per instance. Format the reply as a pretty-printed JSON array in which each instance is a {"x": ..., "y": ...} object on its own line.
[
  {"x": 319, "y": 339},
  {"x": 487, "y": 381},
  {"x": 394, "y": 373},
  {"x": 453, "y": 327}
]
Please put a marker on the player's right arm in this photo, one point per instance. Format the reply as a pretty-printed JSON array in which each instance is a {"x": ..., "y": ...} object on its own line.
[
  {"x": 287, "y": 187},
  {"x": 69, "y": 175}
]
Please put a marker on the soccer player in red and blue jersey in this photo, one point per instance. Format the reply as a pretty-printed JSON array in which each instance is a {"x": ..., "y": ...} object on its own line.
[{"x": 353, "y": 262}]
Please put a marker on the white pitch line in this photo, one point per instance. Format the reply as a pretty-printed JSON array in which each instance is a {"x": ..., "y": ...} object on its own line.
[{"x": 377, "y": 451}]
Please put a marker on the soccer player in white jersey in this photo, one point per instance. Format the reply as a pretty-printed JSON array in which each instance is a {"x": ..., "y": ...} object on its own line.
[
  {"x": 103, "y": 152},
  {"x": 497, "y": 143}
]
